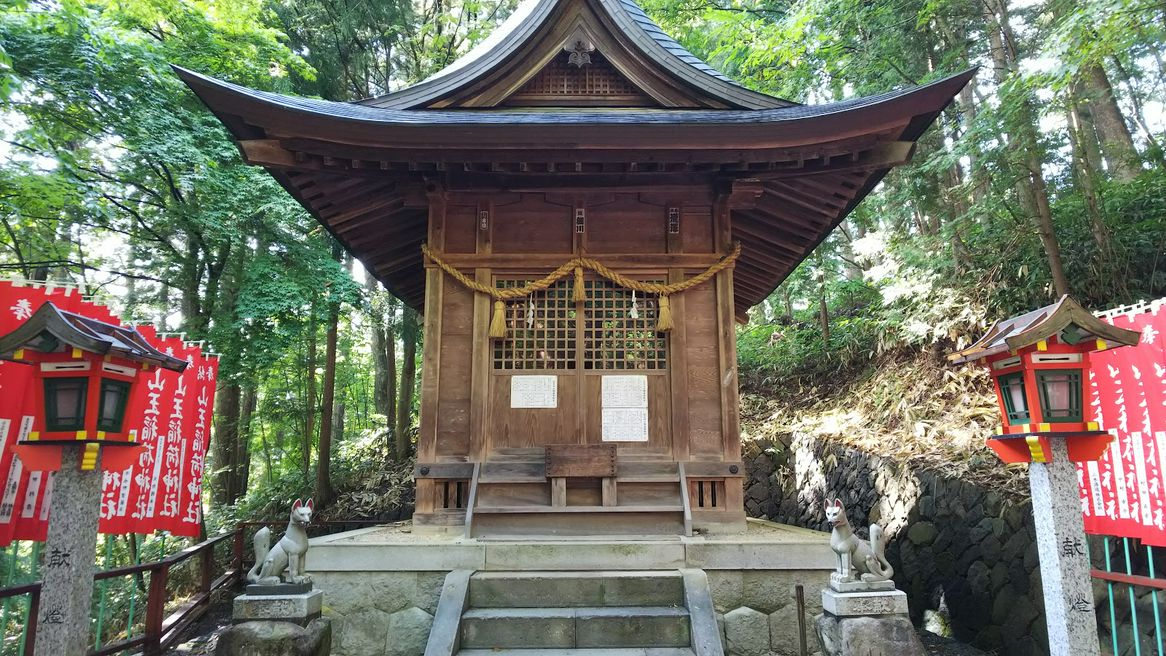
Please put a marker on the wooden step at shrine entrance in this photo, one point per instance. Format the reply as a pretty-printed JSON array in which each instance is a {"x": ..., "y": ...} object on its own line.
[
  {"x": 665, "y": 612},
  {"x": 577, "y": 490}
]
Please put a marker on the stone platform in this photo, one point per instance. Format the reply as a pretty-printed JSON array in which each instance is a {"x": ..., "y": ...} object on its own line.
[{"x": 382, "y": 584}]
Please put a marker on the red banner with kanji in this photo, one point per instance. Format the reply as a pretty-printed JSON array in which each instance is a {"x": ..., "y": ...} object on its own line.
[
  {"x": 1124, "y": 493},
  {"x": 169, "y": 412}
]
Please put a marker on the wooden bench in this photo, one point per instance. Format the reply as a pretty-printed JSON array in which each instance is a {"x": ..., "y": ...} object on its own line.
[{"x": 565, "y": 461}]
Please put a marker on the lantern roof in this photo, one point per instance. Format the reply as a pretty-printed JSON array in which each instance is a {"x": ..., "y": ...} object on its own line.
[
  {"x": 51, "y": 329},
  {"x": 1065, "y": 319}
]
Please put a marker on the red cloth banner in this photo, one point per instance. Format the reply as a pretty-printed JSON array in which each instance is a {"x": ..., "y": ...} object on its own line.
[
  {"x": 170, "y": 413},
  {"x": 1124, "y": 493}
]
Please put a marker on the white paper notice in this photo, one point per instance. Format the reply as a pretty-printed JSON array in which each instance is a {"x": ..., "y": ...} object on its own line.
[
  {"x": 625, "y": 391},
  {"x": 625, "y": 424},
  {"x": 625, "y": 408},
  {"x": 534, "y": 392}
]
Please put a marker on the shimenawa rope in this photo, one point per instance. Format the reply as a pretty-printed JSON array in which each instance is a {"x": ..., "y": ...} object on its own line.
[{"x": 577, "y": 265}]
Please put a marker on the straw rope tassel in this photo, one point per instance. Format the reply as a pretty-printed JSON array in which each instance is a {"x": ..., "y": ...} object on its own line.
[
  {"x": 664, "y": 319},
  {"x": 580, "y": 290},
  {"x": 498, "y": 323}
]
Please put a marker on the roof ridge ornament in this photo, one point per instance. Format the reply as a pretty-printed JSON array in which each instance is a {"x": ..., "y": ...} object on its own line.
[{"x": 579, "y": 48}]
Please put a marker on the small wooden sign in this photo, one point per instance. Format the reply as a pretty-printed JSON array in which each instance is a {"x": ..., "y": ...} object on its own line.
[{"x": 580, "y": 460}]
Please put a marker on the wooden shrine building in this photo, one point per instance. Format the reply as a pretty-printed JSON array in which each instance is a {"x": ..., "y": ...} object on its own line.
[{"x": 581, "y": 141}]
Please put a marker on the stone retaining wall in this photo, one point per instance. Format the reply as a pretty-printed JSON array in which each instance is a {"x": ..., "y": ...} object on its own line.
[{"x": 966, "y": 553}]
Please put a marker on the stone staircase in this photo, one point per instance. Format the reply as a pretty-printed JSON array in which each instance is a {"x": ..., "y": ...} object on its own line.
[{"x": 621, "y": 613}]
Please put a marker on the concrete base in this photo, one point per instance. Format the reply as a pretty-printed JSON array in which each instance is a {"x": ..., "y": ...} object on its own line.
[
  {"x": 841, "y": 585},
  {"x": 275, "y": 589},
  {"x": 383, "y": 583},
  {"x": 854, "y": 604},
  {"x": 295, "y": 608}
]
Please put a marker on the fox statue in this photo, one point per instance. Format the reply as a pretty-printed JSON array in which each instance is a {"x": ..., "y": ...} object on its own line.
[
  {"x": 288, "y": 553},
  {"x": 855, "y": 555}
]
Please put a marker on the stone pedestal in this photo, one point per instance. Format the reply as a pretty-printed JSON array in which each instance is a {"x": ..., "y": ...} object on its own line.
[
  {"x": 299, "y": 608},
  {"x": 1064, "y": 559},
  {"x": 276, "y": 639},
  {"x": 67, "y": 589},
  {"x": 867, "y": 623}
]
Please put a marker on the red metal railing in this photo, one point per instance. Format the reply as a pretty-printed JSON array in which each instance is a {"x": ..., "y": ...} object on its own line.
[{"x": 163, "y": 629}]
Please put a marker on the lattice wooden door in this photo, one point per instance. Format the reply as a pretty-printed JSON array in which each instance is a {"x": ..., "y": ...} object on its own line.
[{"x": 612, "y": 332}]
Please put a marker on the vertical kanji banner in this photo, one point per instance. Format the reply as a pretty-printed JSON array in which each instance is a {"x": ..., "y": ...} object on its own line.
[
  {"x": 1124, "y": 493},
  {"x": 170, "y": 413}
]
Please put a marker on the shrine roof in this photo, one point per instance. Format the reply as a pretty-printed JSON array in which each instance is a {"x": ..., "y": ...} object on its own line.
[
  {"x": 1040, "y": 324},
  {"x": 214, "y": 92},
  {"x": 493, "y": 120},
  {"x": 51, "y": 328},
  {"x": 533, "y": 20}
]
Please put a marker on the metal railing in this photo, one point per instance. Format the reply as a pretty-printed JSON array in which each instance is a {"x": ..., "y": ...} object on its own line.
[
  {"x": 175, "y": 598},
  {"x": 1133, "y": 588}
]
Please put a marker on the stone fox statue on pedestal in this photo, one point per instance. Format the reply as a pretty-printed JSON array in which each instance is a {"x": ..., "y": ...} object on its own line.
[
  {"x": 288, "y": 553},
  {"x": 855, "y": 555}
]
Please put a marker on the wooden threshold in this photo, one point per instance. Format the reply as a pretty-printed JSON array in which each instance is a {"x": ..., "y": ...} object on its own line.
[{"x": 501, "y": 510}]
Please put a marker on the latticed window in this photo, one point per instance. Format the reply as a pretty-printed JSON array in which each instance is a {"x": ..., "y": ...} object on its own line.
[
  {"x": 540, "y": 330},
  {"x": 618, "y": 330},
  {"x": 1060, "y": 395},
  {"x": 1015, "y": 402}
]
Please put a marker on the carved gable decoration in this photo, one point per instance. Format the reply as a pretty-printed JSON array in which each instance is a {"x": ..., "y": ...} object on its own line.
[{"x": 577, "y": 77}]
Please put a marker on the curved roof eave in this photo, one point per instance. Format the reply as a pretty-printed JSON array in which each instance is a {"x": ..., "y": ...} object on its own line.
[
  {"x": 373, "y": 126},
  {"x": 532, "y": 16}
]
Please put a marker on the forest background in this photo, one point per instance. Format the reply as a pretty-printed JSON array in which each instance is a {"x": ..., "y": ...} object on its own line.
[{"x": 1046, "y": 176}]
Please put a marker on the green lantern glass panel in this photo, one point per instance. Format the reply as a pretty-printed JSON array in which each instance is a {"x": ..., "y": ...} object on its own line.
[
  {"x": 1015, "y": 402},
  {"x": 65, "y": 403},
  {"x": 114, "y": 396},
  {"x": 1060, "y": 395}
]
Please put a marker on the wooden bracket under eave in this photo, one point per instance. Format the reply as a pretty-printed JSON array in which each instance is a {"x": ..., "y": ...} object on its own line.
[
  {"x": 743, "y": 193},
  {"x": 267, "y": 152}
]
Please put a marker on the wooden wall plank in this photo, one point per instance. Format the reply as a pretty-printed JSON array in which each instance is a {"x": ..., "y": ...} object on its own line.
[
  {"x": 678, "y": 372},
  {"x": 456, "y": 358},
  {"x": 430, "y": 367}
]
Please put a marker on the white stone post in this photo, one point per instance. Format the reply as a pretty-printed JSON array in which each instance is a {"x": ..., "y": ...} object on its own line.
[
  {"x": 67, "y": 573},
  {"x": 1064, "y": 555}
]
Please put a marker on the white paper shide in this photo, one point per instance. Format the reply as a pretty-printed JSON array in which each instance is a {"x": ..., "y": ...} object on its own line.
[
  {"x": 534, "y": 392},
  {"x": 625, "y": 408}
]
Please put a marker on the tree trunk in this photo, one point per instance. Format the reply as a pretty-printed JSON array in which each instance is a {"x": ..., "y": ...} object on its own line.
[
  {"x": 409, "y": 335},
  {"x": 226, "y": 439},
  {"x": 242, "y": 462},
  {"x": 1117, "y": 144},
  {"x": 324, "y": 492},
  {"x": 1086, "y": 170},
  {"x": 309, "y": 400},
  {"x": 1031, "y": 187}
]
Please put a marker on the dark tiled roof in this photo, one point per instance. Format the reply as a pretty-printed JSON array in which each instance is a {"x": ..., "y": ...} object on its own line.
[
  {"x": 668, "y": 43},
  {"x": 533, "y": 15},
  {"x": 574, "y": 116}
]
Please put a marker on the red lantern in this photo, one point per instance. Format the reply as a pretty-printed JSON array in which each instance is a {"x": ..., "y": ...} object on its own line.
[
  {"x": 84, "y": 377},
  {"x": 1039, "y": 364}
]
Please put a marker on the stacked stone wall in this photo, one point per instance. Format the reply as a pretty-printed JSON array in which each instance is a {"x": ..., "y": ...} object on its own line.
[{"x": 966, "y": 553}]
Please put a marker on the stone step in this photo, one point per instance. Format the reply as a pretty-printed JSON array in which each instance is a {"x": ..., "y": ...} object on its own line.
[
  {"x": 626, "y": 651},
  {"x": 575, "y": 589},
  {"x": 566, "y": 628}
]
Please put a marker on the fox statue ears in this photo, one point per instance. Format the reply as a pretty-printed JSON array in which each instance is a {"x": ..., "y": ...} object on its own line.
[
  {"x": 837, "y": 503},
  {"x": 298, "y": 504}
]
